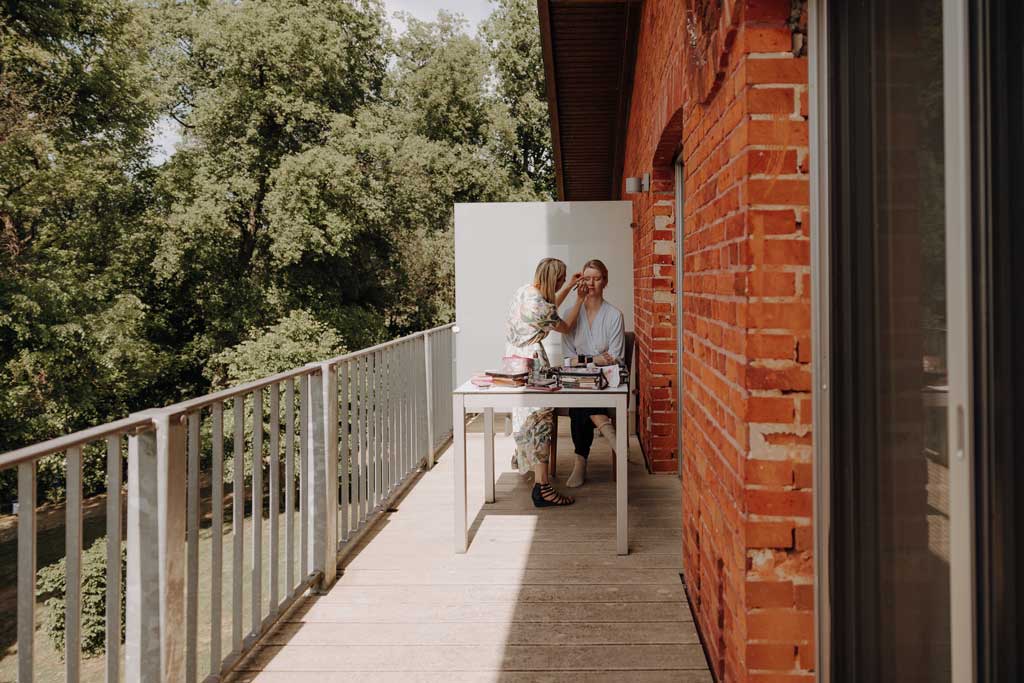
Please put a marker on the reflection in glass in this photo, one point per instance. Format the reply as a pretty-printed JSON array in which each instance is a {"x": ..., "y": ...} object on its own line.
[{"x": 912, "y": 456}]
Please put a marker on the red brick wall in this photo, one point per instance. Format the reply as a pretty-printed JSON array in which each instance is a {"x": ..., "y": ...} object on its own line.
[{"x": 734, "y": 103}]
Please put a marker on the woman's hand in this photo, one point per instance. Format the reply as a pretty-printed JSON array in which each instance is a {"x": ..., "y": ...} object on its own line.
[
  {"x": 569, "y": 285},
  {"x": 582, "y": 291}
]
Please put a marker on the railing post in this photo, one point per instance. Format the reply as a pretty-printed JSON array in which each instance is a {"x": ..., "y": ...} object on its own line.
[
  {"x": 143, "y": 633},
  {"x": 329, "y": 380},
  {"x": 314, "y": 473},
  {"x": 26, "y": 570},
  {"x": 172, "y": 480},
  {"x": 155, "y": 594},
  {"x": 452, "y": 372},
  {"x": 430, "y": 400},
  {"x": 454, "y": 359}
]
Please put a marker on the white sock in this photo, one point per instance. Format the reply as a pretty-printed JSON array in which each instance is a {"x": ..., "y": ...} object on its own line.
[
  {"x": 579, "y": 472},
  {"x": 608, "y": 432}
]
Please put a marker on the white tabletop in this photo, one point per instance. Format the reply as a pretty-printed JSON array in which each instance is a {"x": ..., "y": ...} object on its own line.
[{"x": 470, "y": 388}]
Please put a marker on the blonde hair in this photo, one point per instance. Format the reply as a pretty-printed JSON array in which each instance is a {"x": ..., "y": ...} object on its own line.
[
  {"x": 599, "y": 266},
  {"x": 546, "y": 277}
]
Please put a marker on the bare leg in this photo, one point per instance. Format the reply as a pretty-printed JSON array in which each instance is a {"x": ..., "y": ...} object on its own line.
[
  {"x": 553, "y": 451},
  {"x": 543, "y": 493},
  {"x": 540, "y": 473}
]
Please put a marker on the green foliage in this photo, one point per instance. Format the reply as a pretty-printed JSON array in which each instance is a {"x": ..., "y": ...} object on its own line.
[
  {"x": 308, "y": 208},
  {"x": 291, "y": 342},
  {"x": 440, "y": 81},
  {"x": 513, "y": 40},
  {"x": 77, "y": 342},
  {"x": 51, "y": 587},
  {"x": 254, "y": 83}
]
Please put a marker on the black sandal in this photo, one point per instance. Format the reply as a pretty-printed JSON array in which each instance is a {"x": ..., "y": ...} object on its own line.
[{"x": 545, "y": 495}]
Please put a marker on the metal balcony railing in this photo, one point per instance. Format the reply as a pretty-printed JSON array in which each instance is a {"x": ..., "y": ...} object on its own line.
[{"x": 354, "y": 429}]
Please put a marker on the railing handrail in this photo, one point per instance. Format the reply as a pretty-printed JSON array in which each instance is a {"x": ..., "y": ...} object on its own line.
[
  {"x": 362, "y": 352},
  {"x": 142, "y": 419},
  {"x": 200, "y": 402},
  {"x": 84, "y": 436}
]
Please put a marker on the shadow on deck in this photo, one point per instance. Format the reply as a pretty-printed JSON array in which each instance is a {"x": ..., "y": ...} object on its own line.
[{"x": 541, "y": 594}]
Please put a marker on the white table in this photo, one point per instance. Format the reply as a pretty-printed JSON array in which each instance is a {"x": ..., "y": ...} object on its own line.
[{"x": 472, "y": 399}]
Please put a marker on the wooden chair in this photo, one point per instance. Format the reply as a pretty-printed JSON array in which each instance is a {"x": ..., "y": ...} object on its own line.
[{"x": 630, "y": 338}]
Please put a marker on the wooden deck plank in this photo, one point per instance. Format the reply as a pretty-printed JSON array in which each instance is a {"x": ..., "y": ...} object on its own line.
[
  {"x": 517, "y": 633},
  {"x": 377, "y": 595},
  {"x": 540, "y": 596},
  {"x": 421, "y": 547},
  {"x": 497, "y": 612},
  {"x": 430, "y": 576},
  {"x": 510, "y": 560},
  {"x": 499, "y": 657},
  {"x": 664, "y": 676}
]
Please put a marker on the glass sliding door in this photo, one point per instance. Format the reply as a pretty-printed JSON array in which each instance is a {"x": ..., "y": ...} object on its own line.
[{"x": 891, "y": 511}]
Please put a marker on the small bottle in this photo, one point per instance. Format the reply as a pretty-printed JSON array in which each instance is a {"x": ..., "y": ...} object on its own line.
[{"x": 535, "y": 370}]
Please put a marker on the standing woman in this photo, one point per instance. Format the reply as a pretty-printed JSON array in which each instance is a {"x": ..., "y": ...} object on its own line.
[{"x": 533, "y": 314}]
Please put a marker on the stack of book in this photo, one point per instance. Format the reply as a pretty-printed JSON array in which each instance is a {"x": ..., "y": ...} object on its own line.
[
  {"x": 508, "y": 379},
  {"x": 580, "y": 382},
  {"x": 582, "y": 378}
]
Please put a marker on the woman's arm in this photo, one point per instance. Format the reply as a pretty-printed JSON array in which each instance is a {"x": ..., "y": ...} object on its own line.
[{"x": 568, "y": 324}]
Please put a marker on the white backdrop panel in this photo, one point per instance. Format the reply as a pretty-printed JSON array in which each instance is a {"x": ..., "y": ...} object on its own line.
[{"x": 497, "y": 248}]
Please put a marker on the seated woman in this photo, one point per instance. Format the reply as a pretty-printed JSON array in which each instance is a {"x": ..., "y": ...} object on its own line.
[
  {"x": 532, "y": 314},
  {"x": 599, "y": 333}
]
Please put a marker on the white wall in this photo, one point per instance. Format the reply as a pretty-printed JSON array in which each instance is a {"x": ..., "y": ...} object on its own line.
[{"x": 497, "y": 248}]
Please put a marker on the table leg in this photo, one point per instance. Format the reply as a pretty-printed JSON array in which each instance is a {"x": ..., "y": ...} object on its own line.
[
  {"x": 489, "y": 455},
  {"x": 459, "y": 472},
  {"x": 621, "y": 488}
]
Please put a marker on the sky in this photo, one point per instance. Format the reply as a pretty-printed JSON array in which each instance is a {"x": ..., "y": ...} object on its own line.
[
  {"x": 167, "y": 135},
  {"x": 473, "y": 10}
]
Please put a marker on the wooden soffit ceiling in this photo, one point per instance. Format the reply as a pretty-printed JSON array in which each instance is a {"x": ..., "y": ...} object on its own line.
[{"x": 589, "y": 51}]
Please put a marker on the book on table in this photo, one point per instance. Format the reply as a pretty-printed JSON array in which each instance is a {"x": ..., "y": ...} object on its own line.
[
  {"x": 508, "y": 382},
  {"x": 508, "y": 379}
]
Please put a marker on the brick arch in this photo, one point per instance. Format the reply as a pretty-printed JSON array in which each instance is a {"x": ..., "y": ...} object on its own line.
[
  {"x": 669, "y": 143},
  {"x": 711, "y": 27},
  {"x": 655, "y": 284}
]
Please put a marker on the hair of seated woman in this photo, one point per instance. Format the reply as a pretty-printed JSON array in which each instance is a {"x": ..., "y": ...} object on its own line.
[{"x": 599, "y": 266}]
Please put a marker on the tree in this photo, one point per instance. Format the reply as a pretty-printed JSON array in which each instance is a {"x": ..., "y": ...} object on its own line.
[
  {"x": 254, "y": 83},
  {"x": 75, "y": 334},
  {"x": 440, "y": 82},
  {"x": 513, "y": 39}
]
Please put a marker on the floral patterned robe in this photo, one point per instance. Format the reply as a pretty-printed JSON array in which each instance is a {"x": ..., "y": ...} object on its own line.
[{"x": 530, "y": 319}]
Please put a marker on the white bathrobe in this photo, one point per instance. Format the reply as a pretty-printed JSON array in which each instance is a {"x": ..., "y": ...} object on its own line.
[{"x": 606, "y": 333}]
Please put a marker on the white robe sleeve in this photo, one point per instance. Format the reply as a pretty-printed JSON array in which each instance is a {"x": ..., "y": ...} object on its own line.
[{"x": 615, "y": 333}]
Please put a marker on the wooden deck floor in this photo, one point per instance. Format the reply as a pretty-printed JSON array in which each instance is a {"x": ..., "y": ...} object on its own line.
[{"x": 540, "y": 595}]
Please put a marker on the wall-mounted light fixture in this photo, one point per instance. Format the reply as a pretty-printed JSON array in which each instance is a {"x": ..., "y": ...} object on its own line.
[{"x": 635, "y": 185}]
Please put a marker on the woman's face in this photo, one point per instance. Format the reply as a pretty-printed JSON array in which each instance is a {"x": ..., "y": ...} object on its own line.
[{"x": 594, "y": 281}]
